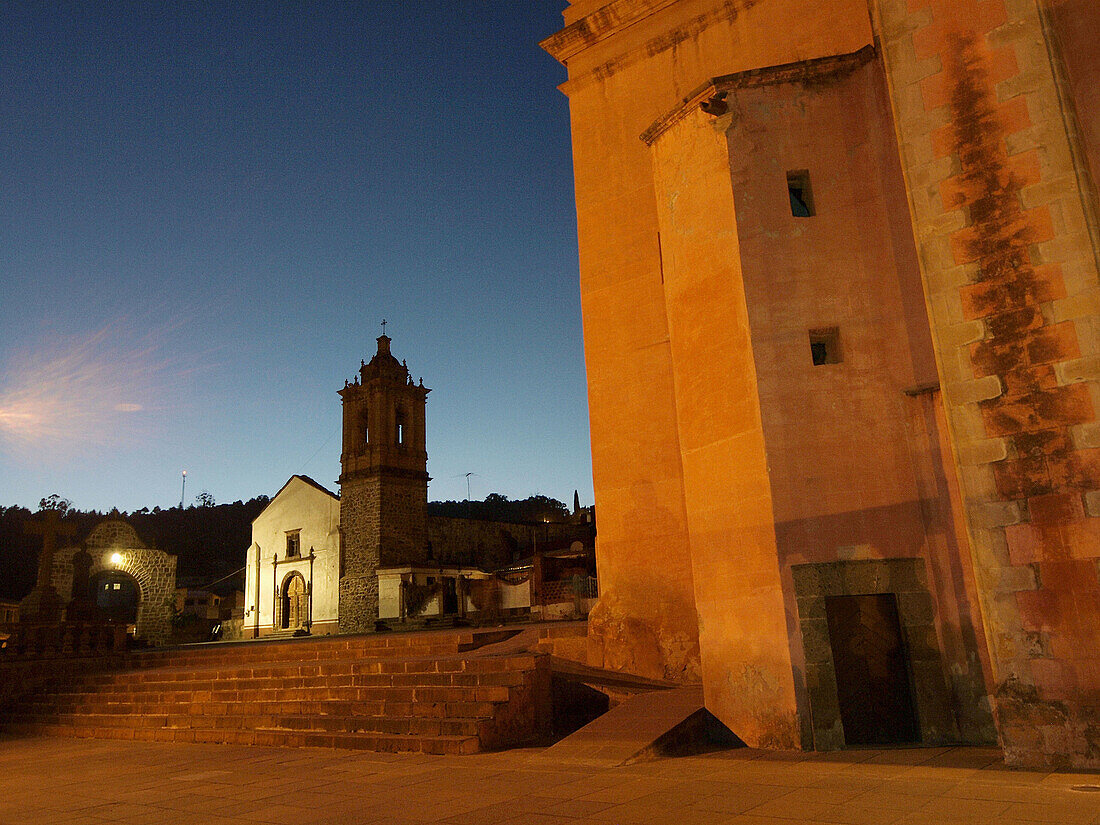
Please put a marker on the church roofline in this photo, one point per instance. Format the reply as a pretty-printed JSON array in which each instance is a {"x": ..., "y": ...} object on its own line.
[
  {"x": 803, "y": 71},
  {"x": 599, "y": 25},
  {"x": 307, "y": 480}
]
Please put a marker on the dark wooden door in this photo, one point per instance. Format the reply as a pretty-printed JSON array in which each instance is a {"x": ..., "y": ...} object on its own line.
[
  {"x": 450, "y": 596},
  {"x": 294, "y": 602},
  {"x": 872, "y": 670}
]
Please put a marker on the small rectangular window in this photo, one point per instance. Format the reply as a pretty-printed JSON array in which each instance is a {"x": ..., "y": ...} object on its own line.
[
  {"x": 293, "y": 544},
  {"x": 825, "y": 346},
  {"x": 802, "y": 196}
]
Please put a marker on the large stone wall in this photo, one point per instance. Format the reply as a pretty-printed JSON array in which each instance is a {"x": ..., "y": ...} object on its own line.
[
  {"x": 359, "y": 528},
  {"x": 402, "y": 520},
  {"x": 976, "y": 221},
  {"x": 473, "y": 541},
  {"x": 687, "y": 526},
  {"x": 1002, "y": 209}
]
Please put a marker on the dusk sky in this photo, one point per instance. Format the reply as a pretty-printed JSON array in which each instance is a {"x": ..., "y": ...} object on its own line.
[{"x": 206, "y": 209}]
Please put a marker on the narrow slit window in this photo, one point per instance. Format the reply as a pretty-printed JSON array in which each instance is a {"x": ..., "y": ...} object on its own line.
[
  {"x": 802, "y": 196},
  {"x": 825, "y": 346},
  {"x": 402, "y": 428}
]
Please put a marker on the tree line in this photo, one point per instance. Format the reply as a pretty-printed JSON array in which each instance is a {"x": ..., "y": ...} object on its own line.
[{"x": 210, "y": 539}]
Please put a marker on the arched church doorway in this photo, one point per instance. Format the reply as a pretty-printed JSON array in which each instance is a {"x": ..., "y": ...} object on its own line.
[
  {"x": 294, "y": 607},
  {"x": 116, "y": 596}
]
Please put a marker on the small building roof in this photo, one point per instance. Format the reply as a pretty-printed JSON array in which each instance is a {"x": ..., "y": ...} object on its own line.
[{"x": 302, "y": 478}]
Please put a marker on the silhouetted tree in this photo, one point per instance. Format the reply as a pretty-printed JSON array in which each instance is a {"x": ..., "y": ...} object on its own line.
[{"x": 55, "y": 502}]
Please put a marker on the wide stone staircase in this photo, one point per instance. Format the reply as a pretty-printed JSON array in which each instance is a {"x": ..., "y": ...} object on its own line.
[{"x": 444, "y": 692}]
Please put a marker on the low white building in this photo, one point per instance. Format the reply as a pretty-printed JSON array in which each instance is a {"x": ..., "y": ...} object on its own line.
[
  {"x": 292, "y": 581},
  {"x": 439, "y": 591}
]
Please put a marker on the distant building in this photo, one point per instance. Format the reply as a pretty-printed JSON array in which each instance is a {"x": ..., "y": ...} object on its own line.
[
  {"x": 200, "y": 603},
  {"x": 9, "y": 616},
  {"x": 322, "y": 562}
]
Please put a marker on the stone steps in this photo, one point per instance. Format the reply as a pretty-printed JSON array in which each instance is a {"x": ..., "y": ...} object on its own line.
[
  {"x": 306, "y": 648},
  {"x": 381, "y": 697},
  {"x": 364, "y": 694},
  {"x": 391, "y": 743},
  {"x": 396, "y": 725},
  {"x": 455, "y": 679},
  {"x": 420, "y": 669}
]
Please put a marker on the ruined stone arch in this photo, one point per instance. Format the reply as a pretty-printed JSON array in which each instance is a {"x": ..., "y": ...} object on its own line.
[{"x": 113, "y": 545}]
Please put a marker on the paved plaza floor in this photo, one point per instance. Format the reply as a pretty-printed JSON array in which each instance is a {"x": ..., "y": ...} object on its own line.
[{"x": 54, "y": 781}]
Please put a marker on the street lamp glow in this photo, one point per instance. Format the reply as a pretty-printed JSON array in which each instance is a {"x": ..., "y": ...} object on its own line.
[{"x": 116, "y": 558}]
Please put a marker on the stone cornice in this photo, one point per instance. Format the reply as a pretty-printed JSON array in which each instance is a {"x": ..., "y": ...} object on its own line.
[
  {"x": 378, "y": 471},
  {"x": 599, "y": 25},
  {"x": 805, "y": 71}
]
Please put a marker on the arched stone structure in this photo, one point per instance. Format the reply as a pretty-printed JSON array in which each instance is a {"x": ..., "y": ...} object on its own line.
[{"x": 114, "y": 545}]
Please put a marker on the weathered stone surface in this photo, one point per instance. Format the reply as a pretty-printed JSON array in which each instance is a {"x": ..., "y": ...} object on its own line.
[{"x": 952, "y": 146}]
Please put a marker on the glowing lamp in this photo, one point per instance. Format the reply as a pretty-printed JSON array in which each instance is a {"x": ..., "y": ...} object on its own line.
[{"x": 116, "y": 558}]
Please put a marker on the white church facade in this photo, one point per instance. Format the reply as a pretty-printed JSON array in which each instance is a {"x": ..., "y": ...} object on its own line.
[{"x": 292, "y": 581}]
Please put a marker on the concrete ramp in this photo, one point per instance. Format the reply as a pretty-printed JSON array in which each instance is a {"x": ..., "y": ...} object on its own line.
[{"x": 663, "y": 722}]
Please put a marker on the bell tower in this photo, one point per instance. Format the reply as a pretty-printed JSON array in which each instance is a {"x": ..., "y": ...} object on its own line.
[{"x": 383, "y": 482}]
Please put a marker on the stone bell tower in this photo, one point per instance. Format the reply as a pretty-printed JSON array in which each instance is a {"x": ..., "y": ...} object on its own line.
[{"x": 383, "y": 482}]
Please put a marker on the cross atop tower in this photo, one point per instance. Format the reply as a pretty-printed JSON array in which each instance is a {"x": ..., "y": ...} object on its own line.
[{"x": 383, "y": 326}]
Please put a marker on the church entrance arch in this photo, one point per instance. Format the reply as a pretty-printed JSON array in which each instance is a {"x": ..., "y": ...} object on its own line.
[
  {"x": 874, "y": 670},
  {"x": 112, "y": 553},
  {"x": 116, "y": 596},
  {"x": 293, "y": 603}
]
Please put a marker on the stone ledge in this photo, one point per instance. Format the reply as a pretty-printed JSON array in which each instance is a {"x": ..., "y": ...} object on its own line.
[
  {"x": 1080, "y": 369},
  {"x": 1092, "y": 503},
  {"x": 987, "y": 451},
  {"x": 988, "y": 514},
  {"x": 971, "y": 392}
]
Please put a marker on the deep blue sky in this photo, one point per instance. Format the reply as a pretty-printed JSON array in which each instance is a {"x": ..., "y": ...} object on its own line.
[{"x": 207, "y": 208}]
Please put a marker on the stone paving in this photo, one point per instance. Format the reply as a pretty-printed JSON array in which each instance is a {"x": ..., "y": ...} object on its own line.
[{"x": 48, "y": 781}]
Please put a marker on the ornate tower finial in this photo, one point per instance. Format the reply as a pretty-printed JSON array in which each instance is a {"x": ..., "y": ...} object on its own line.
[{"x": 383, "y": 326}]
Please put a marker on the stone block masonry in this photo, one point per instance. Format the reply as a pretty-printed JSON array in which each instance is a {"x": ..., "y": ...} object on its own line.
[
  {"x": 996, "y": 120},
  {"x": 114, "y": 546},
  {"x": 950, "y": 245},
  {"x": 383, "y": 484}
]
